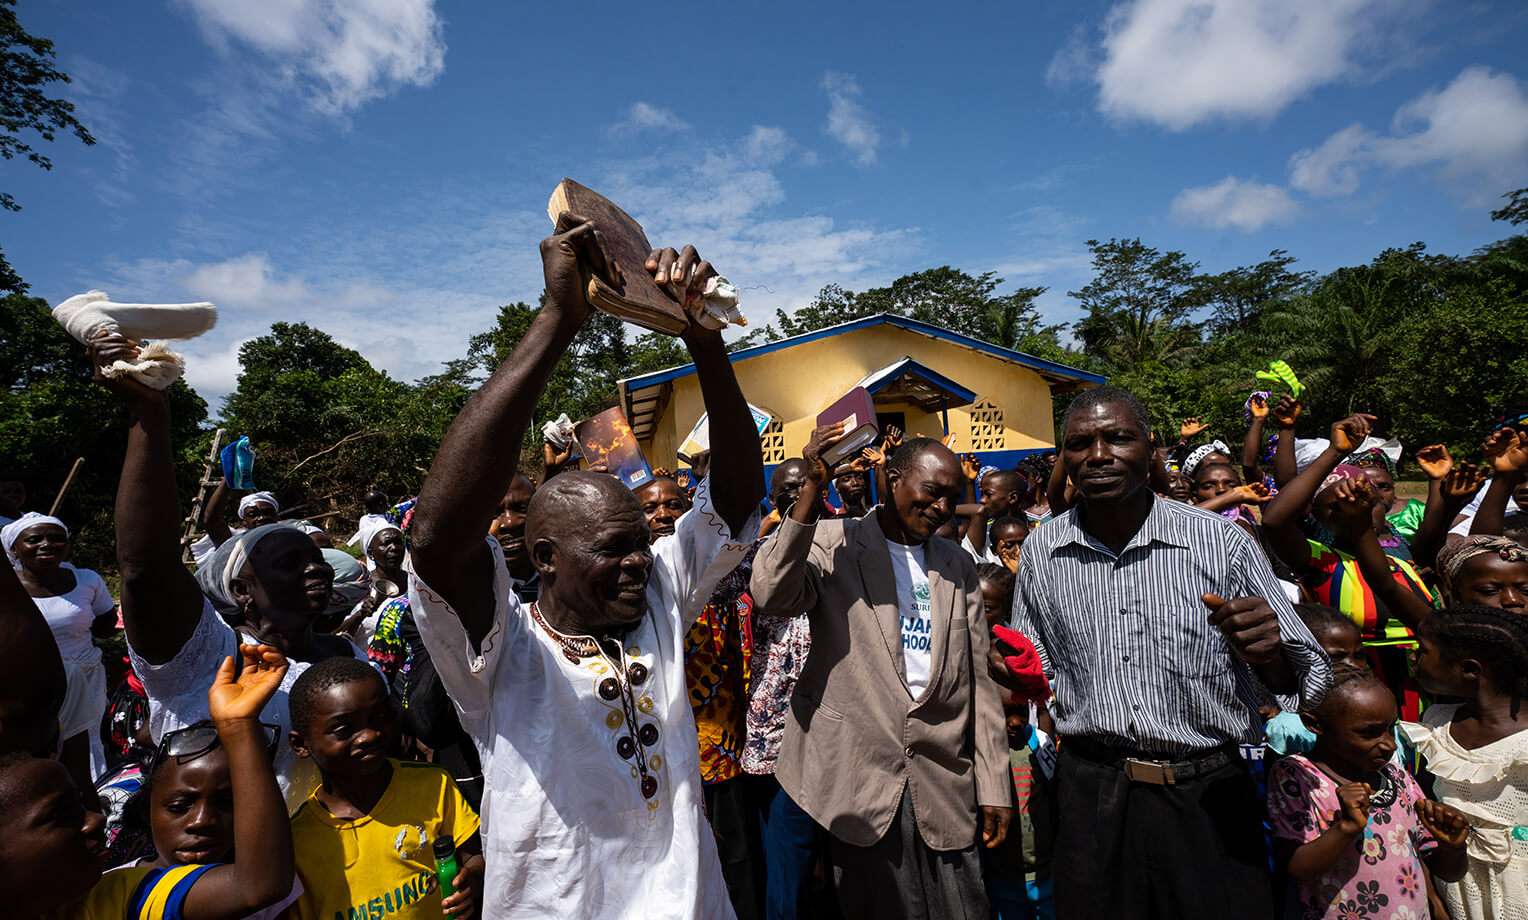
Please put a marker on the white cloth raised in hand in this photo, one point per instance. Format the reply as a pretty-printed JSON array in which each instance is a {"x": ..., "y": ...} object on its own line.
[{"x": 92, "y": 314}]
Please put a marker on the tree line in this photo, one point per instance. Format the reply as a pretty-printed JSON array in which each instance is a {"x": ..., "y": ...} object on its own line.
[{"x": 1434, "y": 345}]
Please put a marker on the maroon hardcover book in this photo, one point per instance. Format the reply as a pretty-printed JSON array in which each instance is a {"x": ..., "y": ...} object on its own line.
[{"x": 857, "y": 411}]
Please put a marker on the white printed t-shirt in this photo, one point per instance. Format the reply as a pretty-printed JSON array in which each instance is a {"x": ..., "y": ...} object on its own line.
[
  {"x": 917, "y": 623},
  {"x": 592, "y": 798}
]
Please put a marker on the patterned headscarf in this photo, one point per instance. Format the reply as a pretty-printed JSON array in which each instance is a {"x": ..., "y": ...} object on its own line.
[
  {"x": 1264, "y": 395},
  {"x": 1338, "y": 474},
  {"x": 1373, "y": 456},
  {"x": 1452, "y": 558},
  {"x": 1197, "y": 455},
  {"x": 12, "y": 531}
]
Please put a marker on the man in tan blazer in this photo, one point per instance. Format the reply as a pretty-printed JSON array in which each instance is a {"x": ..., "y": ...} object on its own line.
[{"x": 895, "y": 741}]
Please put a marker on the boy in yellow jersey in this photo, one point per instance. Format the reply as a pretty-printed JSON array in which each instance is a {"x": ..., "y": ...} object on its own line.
[
  {"x": 52, "y": 848},
  {"x": 364, "y": 839}
]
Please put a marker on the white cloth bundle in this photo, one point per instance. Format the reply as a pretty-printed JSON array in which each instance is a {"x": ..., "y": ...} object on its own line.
[
  {"x": 559, "y": 431},
  {"x": 92, "y": 314}
]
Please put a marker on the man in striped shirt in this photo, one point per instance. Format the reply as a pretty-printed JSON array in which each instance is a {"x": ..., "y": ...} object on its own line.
[{"x": 1163, "y": 629}]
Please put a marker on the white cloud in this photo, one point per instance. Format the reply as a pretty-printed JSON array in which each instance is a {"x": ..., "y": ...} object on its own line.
[
  {"x": 98, "y": 93},
  {"x": 1047, "y": 247},
  {"x": 404, "y": 329},
  {"x": 344, "y": 52},
  {"x": 1241, "y": 203},
  {"x": 645, "y": 117},
  {"x": 849, "y": 122},
  {"x": 1475, "y": 131},
  {"x": 408, "y": 292},
  {"x": 728, "y": 199},
  {"x": 1178, "y": 63}
]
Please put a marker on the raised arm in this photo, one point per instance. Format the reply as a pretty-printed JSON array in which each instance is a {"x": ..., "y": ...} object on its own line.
[
  {"x": 973, "y": 515},
  {"x": 1450, "y": 487},
  {"x": 1249, "y": 494},
  {"x": 1252, "y": 444},
  {"x": 736, "y": 458},
  {"x": 215, "y": 514},
  {"x": 1507, "y": 453},
  {"x": 1355, "y": 507},
  {"x": 1285, "y": 413},
  {"x": 32, "y": 681},
  {"x": 458, "y": 499},
  {"x": 1282, "y": 514},
  {"x": 783, "y": 581},
  {"x": 161, "y": 602},
  {"x": 261, "y": 874}
]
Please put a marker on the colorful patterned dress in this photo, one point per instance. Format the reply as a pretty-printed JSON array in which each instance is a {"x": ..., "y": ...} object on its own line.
[{"x": 1381, "y": 875}]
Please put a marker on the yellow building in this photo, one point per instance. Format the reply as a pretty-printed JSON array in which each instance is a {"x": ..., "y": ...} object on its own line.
[{"x": 926, "y": 380}]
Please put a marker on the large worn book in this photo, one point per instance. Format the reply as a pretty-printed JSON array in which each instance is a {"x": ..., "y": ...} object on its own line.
[{"x": 637, "y": 298}]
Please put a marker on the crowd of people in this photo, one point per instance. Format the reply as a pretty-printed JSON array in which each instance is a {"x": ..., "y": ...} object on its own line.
[{"x": 1136, "y": 676}]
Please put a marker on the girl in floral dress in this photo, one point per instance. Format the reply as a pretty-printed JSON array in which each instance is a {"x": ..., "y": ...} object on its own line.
[
  {"x": 1476, "y": 752},
  {"x": 1353, "y": 829}
]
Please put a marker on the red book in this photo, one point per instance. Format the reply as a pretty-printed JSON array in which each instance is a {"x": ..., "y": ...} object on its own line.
[{"x": 857, "y": 411}]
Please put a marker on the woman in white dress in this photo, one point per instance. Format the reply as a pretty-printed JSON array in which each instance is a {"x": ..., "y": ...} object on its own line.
[
  {"x": 75, "y": 602},
  {"x": 1476, "y": 751}
]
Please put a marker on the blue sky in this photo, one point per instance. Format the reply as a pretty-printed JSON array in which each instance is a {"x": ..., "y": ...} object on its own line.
[{"x": 380, "y": 168}]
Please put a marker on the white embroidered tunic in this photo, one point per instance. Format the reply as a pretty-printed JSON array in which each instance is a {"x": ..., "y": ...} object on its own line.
[
  {"x": 1490, "y": 785},
  {"x": 592, "y": 799}
]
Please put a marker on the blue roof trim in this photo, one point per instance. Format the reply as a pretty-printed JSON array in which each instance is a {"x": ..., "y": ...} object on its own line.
[
  {"x": 913, "y": 325},
  {"x": 909, "y": 366}
]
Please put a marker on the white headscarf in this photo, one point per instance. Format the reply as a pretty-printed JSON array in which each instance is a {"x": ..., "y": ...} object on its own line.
[
  {"x": 1197, "y": 455},
  {"x": 216, "y": 575},
  {"x": 255, "y": 497},
  {"x": 12, "y": 531},
  {"x": 371, "y": 526}
]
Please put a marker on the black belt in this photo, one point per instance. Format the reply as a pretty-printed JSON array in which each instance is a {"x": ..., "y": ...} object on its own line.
[{"x": 1141, "y": 767}]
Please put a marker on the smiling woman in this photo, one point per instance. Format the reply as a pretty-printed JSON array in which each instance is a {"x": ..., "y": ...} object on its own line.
[
  {"x": 270, "y": 582},
  {"x": 75, "y": 602}
]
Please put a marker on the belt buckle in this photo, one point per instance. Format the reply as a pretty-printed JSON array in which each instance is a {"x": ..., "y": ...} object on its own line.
[{"x": 1156, "y": 772}]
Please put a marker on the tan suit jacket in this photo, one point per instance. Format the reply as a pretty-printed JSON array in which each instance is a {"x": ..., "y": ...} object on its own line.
[{"x": 855, "y": 737}]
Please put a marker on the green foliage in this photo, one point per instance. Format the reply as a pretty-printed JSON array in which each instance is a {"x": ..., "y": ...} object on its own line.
[
  {"x": 26, "y": 70},
  {"x": 51, "y": 413},
  {"x": 1459, "y": 366},
  {"x": 942, "y": 296},
  {"x": 1238, "y": 297},
  {"x": 1515, "y": 211},
  {"x": 1136, "y": 304},
  {"x": 328, "y": 426}
]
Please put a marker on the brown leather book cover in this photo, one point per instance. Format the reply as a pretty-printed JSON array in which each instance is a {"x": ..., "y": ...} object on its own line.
[
  {"x": 857, "y": 411},
  {"x": 638, "y": 298}
]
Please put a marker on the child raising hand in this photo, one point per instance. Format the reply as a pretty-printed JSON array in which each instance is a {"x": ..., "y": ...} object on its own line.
[
  {"x": 53, "y": 849},
  {"x": 1352, "y": 827}
]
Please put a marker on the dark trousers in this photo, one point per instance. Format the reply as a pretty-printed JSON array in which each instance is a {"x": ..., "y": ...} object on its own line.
[
  {"x": 735, "y": 823},
  {"x": 1132, "y": 851},
  {"x": 900, "y": 876},
  {"x": 792, "y": 840}
]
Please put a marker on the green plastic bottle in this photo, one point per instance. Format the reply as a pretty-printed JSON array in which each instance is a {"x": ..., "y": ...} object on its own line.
[{"x": 446, "y": 869}]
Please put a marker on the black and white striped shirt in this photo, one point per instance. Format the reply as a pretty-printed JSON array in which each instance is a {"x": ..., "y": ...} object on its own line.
[{"x": 1127, "y": 640}]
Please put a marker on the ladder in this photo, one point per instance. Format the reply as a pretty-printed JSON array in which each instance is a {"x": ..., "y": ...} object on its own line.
[{"x": 209, "y": 483}]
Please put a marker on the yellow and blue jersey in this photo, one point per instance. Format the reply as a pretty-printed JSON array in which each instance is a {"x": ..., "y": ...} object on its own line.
[{"x": 137, "y": 893}]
